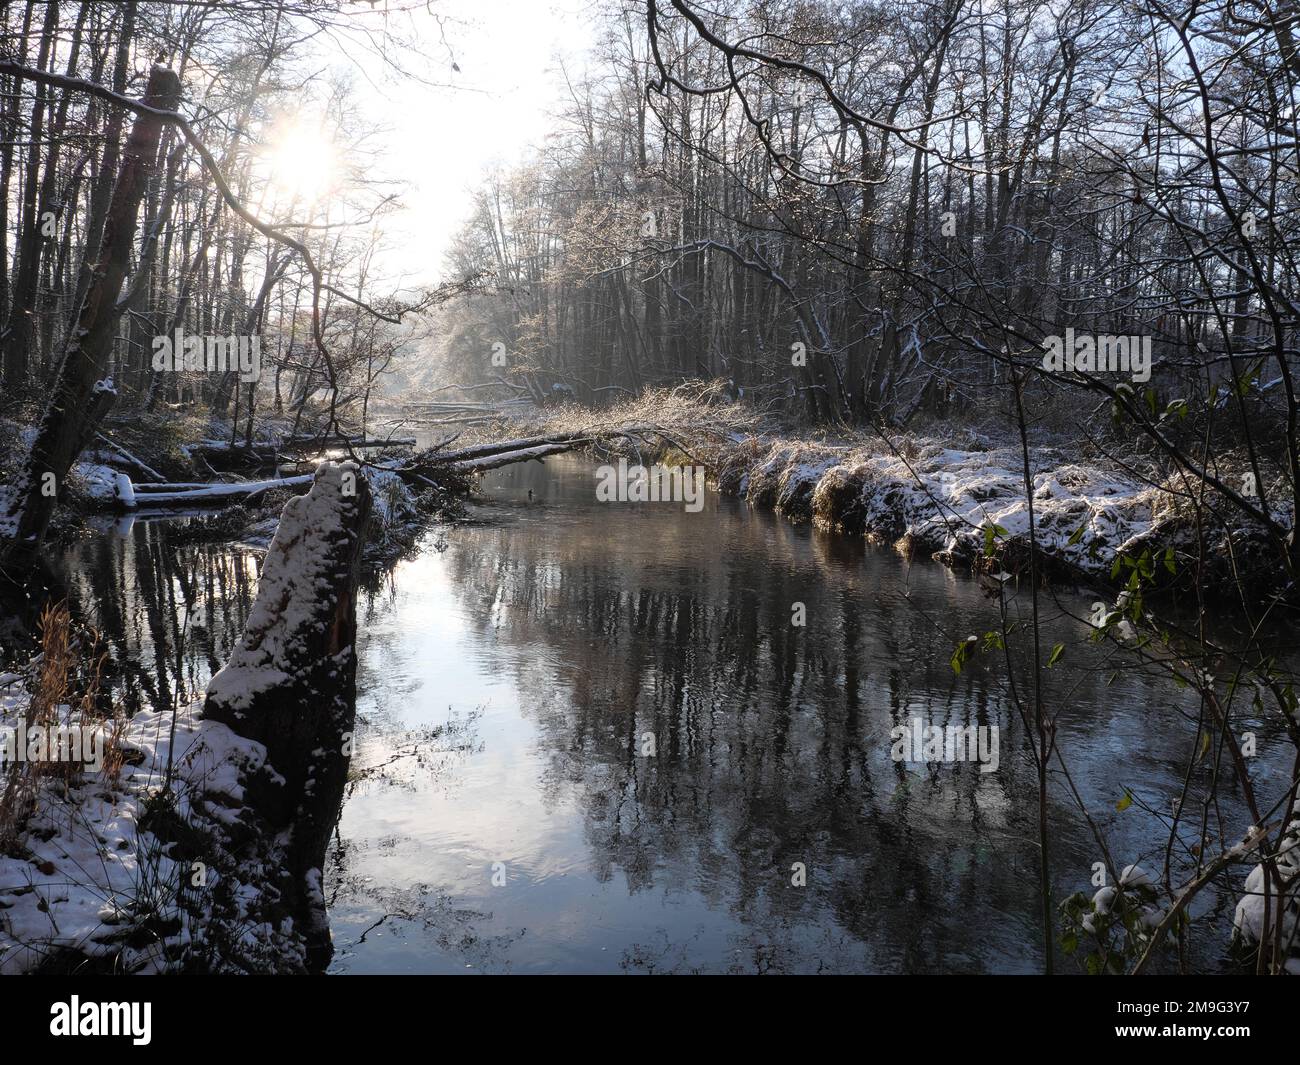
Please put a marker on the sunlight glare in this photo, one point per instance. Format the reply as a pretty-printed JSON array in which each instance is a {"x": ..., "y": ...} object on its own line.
[{"x": 300, "y": 163}]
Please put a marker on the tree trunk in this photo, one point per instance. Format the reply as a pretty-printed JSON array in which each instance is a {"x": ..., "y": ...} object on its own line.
[
  {"x": 290, "y": 684},
  {"x": 19, "y": 332},
  {"x": 80, "y": 395}
]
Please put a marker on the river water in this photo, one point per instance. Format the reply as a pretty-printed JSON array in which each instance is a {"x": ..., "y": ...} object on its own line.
[{"x": 592, "y": 740}]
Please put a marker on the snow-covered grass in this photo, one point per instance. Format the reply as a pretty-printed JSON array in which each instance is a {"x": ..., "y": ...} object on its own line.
[
  {"x": 393, "y": 501},
  {"x": 85, "y": 877},
  {"x": 90, "y": 880},
  {"x": 942, "y": 496},
  {"x": 943, "y": 500},
  {"x": 149, "y": 859},
  {"x": 949, "y": 501},
  {"x": 700, "y": 416}
]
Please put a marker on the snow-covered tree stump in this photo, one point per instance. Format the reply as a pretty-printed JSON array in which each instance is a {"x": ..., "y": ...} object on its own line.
[{"x": 291, "y": 682}]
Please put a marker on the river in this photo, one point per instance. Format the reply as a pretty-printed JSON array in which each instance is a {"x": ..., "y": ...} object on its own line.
[{"x": 590, "y": 739}]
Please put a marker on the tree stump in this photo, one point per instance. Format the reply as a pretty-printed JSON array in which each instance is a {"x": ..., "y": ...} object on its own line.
[{"x": 290, "y": 683}]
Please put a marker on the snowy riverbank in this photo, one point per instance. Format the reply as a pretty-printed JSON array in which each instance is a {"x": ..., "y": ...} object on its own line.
[
  {"x": 197, "y": 843},
  {"x": 151, "y": 867},
  {"x": 954, "y": 503},
  {"x": 961, "y": 498}
]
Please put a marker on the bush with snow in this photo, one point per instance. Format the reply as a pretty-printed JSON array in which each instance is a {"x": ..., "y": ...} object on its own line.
[{"x": 1262, "y": 912}]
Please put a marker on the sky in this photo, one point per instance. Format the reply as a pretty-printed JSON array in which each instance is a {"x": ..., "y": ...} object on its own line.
[{"x": 442, "y": 140}]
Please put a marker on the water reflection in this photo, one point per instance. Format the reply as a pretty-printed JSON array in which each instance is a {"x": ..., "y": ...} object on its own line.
[
  {"x": 591, "y": 739},
  {"x": 591, "y": 632},
  {"x": 168, "y": 606}
]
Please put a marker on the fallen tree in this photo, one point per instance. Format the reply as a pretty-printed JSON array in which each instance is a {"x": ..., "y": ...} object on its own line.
[
  {"x": 204, "y": 495},
  {"x": 499, "y": 447},
  {"x": 525, "y": 454},
  {"x": 431, "y": 467}
]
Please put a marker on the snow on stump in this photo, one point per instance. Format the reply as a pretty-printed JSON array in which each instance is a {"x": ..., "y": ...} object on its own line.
[
  {"x": 123, "y": 492},
  {"x": 290, "y": 683}
]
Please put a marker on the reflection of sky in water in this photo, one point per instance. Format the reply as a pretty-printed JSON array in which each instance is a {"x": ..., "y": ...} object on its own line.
[
  {"x": 507, "y": 680},
  {"x": 576, "y": 627}
]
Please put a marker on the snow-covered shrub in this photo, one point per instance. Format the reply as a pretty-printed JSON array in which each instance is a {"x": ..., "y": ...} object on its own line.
[
  {"x": 797, "y": 483},
  {"x": 1115, "y": 925},
  {"x": 1257, "y": 917},
  {"x": 765, "y": 478},
  {"x": 837, "y": 500}
]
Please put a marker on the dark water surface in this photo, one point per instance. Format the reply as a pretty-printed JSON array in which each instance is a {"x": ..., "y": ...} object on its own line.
[{"x": 504, "y": 815}]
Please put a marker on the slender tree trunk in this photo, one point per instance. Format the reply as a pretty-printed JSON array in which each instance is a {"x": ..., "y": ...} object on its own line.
[
  {"x": 80, "y": 395},
  {"x": 18, "y": 335}
]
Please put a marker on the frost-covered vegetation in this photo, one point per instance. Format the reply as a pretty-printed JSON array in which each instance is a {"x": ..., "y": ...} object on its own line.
[{"x": 942, "y": 495}]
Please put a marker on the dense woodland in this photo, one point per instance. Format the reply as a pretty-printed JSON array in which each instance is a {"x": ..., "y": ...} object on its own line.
[
  {"x": 195, "y": 263},
  {"x": 916, "y": 192},
  {"x": 852, "y": 212}
]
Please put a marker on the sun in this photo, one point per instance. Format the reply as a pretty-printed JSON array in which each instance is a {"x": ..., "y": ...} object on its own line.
[{"x": 300, "y": 163}]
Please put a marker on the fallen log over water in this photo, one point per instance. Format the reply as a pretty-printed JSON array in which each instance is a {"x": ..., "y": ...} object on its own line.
[
  {"x": 500, "y": 447},
  {"x": 223, "y": 453},
  {"x": 298, "y": 443},
  {"x": 290, "y": 683},
  {"x": 125, "y": 457},
  {"x": 425, "y": 469},
  {"x": 434, "y": 413},
  {"x": 192, "y": 494},
  {"x": 491, "y": 462}
]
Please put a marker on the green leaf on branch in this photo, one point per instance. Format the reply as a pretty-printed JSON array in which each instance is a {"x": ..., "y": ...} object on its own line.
[
  {"x": 992, "y": 530},
  {"x": 962, "y": 654},
  {"x": 1149, "y": 394}
]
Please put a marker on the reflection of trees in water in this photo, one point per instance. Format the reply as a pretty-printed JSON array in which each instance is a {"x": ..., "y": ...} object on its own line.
[
  {"x": 168, "y": 611},
  {"x": 781, "y": 946},
  {"x": 772, "y": 741},
  {"x": 418, "y": 759},
  {"x": 417, "y": 910}
]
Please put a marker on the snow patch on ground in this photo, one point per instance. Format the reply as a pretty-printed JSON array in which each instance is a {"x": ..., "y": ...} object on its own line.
[
  {"x": 91, "y": 880},
  {"x": 97, "y": 481}
]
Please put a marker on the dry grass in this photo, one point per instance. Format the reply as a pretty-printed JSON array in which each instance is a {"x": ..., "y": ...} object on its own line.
[
  {"x": 837, "y": 501},
  {"x": 66, "y": 692},
  {"x": 698, "y": 420}
]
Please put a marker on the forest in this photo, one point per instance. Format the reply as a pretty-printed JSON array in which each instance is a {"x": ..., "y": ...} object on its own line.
[{"x": 332, "y": 488}]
